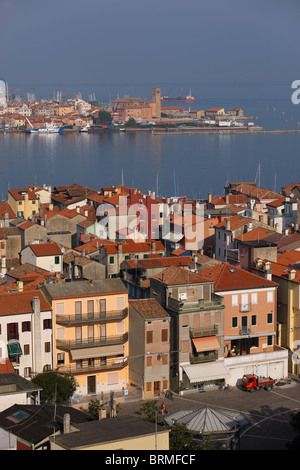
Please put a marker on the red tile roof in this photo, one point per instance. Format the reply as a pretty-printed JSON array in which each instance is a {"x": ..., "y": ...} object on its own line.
[
  {"x": 227, "y": 277},
  {"x": 148, "y": 308},
  {"x": 15, "y": 303},
  {"x": 257, "y": 233},
  {"x": 45, "y": 249},
  {"x": 6, "y": 366},
  {"x": 236, "y": 221},
  {"x": 4, "y": 207},
  {"x": 174, "y": 275}
]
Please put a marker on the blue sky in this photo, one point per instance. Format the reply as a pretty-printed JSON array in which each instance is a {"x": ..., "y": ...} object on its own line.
[{"x": 157, "y": 41}]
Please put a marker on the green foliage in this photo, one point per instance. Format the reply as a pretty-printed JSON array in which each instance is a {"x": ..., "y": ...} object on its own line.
[
  {"x": 57, "y": 388},
  {"x": 104, "y": 118},
  {"x": 150, "y": 411},
  {"x": 130, "y": 123},
  {"x": 180, "y": 438},
  {"x": 94, "y": 407}
]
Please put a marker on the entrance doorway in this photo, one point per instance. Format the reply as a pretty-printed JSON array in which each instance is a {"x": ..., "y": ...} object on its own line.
[
  {"x": 91, "y": 384},
  {"x": 156, "y": 389}
]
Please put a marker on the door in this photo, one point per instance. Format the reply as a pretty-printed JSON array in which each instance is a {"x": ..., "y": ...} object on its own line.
[
  {"x": 102, "y": 307},
  {"x": 78, "y": 335},
  {"x": 156, "y": 388},
  {"x": 78, "y": 310},
  {"x": 90, "y": 307},
  {"x": 91, "y": 333},
  {"x": 244, "y": 324},
  {"x": 91, "y": 384}
]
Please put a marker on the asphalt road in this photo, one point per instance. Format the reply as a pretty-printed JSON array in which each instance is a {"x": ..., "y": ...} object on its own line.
[{"x": 269, "y": 413}]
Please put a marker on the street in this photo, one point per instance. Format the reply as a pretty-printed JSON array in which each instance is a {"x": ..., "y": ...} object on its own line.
[{"x": 269, "y": 413}]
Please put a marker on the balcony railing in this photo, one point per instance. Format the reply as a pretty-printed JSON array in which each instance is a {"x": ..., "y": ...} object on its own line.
[
  {"x": 245, "y": 330},
  {"x": 198, "y": 332},
  {"x": 200, "y": 304},
  {"x": 93, "y": 366},
  {"x": 92, "y": 317},
  {"x": 203, "y": 358},
  {"x": 91, "y": 342}
]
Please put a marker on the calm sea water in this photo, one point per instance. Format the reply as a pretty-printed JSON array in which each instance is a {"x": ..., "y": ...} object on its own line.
[{"x": 190, "y": 165}]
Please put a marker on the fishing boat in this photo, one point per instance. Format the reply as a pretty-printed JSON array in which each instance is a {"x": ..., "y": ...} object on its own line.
[{"x": 48, "y": 128}]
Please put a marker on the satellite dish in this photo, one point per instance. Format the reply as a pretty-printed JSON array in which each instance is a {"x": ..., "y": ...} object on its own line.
[{"x": 62, "y": 250}]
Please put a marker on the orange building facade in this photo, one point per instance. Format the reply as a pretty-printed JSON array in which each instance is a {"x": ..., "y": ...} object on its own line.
[{"x": 90, "y": 334}]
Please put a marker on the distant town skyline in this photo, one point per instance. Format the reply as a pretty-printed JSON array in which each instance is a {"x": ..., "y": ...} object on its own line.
[{"x": 157, "y": 42}]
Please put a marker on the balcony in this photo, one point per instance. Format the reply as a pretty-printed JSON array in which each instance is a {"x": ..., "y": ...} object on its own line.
[
  {"x": 200, "y": 304},
  {"x": 233, "y": 255},
  {"x": 246, "y": 307},
  {"x": 91, "y": 342},
  {"x": 92, "y": 317},
  {"x": 198, "y": 332},
  {"x": 203, "y": 358},
  {"x": 94, "y": 366},
  {"x": 246, "y": 330}
]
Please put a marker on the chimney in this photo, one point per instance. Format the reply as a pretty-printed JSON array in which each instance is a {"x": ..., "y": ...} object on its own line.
[
  {"x": 258, "y": 263},
  {"x": 227, "y": 199},
  {"x": 20, "y": 286},
  {"x": 292, "y": 275},
  {"x": 268, "y": 271},
  {"x": 209, "y": 197},
  {"x": 227, "y": 224},
  {"x": 67, "y": 423}
]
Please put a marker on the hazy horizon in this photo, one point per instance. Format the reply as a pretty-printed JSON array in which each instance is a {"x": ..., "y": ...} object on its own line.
[{"x": 233, "y": 46}]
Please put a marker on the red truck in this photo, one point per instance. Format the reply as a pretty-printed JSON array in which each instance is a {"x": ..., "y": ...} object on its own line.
[{"x": 251, "y": 383}]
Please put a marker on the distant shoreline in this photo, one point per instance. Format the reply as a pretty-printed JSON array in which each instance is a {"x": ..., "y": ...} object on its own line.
[{"x": 172, "y": 131}]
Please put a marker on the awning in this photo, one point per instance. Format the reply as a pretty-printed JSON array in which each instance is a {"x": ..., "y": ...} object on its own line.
[
  {"x": 206, "y": 343},
  {"x": 87, "y": 353},
  {"x": 14, "y": 349},
  {"x": 206, "y": 372}
]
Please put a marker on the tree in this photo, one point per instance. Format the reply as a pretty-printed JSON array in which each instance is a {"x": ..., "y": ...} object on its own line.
[
  {"x": 56, "y": 387},
  {"x": 151, "y": 412},
  {"x": 180, "y": 438},
  {"x": 130, "y": 123},
  {"x": 104, "y": 117}
]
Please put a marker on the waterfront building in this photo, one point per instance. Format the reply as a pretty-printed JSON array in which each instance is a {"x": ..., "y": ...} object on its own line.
[
  {"x": 285, "y": 272},
  {"x": 250, "y": 323},
  {"x": 113, "y": 254},
  {"x": 24, "y": 202},
  {"x": 90, "y": 333},
  {"x": 48, "y": 256},
  {"x": 26, "y": 331},
  {"x": 137, "y": 108},
  {"x": 149, "y": 346},
  {"x": 197, "y": 322}
]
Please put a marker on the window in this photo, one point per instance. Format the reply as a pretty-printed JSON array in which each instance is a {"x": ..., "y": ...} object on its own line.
[
  {"x": 165, "y": 360},
  {"x": 111, "y": 260},
  {"x": 270, "y": 318},
  {"x": 164, "y": 335},
  {"x": 47, "y": 324},
  {"x": 270, "y": 340},
  {"x": 254, "y": 298},
  {"x": 270, "y": 296},
  {"x": 234, "y": 322},
  {"x": 56, "y": 260},
  {"x": 27, "y": 372},
  {"x": 60, "y": 358},
  {"x": 26, "y": 349},
  {"x": 253, "y": 320},
  {"x": 149, "y": 337},
  {"x": 235, "y": 300},
  {"x": 47, "y": 347},
  {"x": 26, "y": 326},
  {"x": 149, "y": 361}
]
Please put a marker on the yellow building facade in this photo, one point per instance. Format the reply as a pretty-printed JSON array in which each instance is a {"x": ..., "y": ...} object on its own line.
[
  {"x": 23, "y": 202},
  {"x": 90, "y": 334}
]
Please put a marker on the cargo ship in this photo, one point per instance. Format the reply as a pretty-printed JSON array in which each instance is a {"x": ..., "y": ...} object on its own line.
[{"x": 189, "y": 98}]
